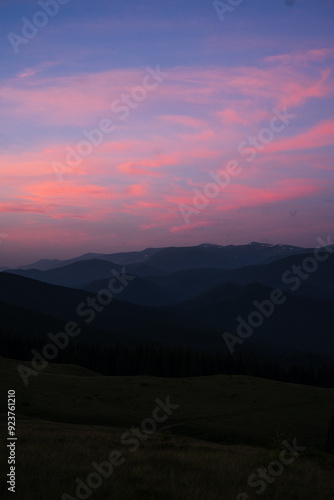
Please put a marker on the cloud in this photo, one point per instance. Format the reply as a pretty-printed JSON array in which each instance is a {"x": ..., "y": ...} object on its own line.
[
  {"x": 231, "y": 116},
  {"x": 192, "y": 124},
  {"x": 184, "y": 228},
  {"x": 73, "y": 100},
  {"x": 303, "y": 58},
  {"x": 319, "y": 135},
  {"x": 138, "y": 190}
]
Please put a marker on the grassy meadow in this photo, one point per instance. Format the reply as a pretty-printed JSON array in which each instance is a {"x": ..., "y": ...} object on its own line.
[{"x": 224, "y": 429}]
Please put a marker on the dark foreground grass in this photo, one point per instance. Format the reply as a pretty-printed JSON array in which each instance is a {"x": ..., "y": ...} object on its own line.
[
  {"x": 222, "y": 408},
  {"x": 69, "y": 417},
  {"x": 51, "y": 456}
]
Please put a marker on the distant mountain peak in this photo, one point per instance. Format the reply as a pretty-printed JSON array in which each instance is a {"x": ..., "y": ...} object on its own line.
[
  {"x": 256, "y": 243},
  {"x": 209, "y": 245}
]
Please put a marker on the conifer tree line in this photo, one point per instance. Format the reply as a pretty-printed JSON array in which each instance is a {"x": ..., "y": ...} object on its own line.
[{"x": 163, "y": 361}]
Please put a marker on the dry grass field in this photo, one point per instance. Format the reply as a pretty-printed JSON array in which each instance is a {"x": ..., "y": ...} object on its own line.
[{"x": 224, "y": 430}]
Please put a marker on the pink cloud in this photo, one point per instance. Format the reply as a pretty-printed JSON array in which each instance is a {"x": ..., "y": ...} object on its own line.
[
  {"x": 149, "y": 204},
  {"x": 48, "y": 100},
  {"x": 305, "y": 57},
  {"x": 205, "y": 136},
  {"x": 318, "y": 136},
  {"x": 236, "y": 195},
  {"x": 281, "y": 190},
  {"x": 190, "y": 227},
  {"x": 23, "y": 207},
  {"x": 138, "y": 190},
  {"x": 140, "y": 168},
  {"x": 137, "y": 173},
  {"x": 58, "y": 201},
  {"x": 229, "y": 115},
  {"x": 81, "y": 194},
  {"x": 153, "y": 167},
  {"x": 34, "y": 70}
]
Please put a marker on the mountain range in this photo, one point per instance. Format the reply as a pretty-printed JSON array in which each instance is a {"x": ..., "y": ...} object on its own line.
[{"x": 186, "y": 296}]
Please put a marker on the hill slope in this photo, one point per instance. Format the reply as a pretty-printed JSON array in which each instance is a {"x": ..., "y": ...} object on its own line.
[
  {"x": 220, "y": 408},
  {"x": 121, "y": 318},
  {"x": 294, "y": 324}
]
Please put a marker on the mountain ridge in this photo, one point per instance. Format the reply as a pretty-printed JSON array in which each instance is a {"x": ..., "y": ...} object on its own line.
[{"x": 142, "y": 255}]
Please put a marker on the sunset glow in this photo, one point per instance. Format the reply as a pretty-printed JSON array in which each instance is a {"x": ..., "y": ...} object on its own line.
[{"x": 115, "y": 115}]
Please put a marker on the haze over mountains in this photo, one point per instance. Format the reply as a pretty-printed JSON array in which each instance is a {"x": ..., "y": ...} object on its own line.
[
  {"x": 176, "y": 258},
  {"x": 184, "y": 296},
  {"x": 170, "y": 275}
]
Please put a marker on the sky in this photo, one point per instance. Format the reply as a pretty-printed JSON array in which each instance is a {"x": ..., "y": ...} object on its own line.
[{"x": 127, "y": 125}]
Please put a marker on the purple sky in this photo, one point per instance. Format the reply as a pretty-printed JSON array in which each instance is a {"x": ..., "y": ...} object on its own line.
[{"x": 132, "y": 124}]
